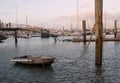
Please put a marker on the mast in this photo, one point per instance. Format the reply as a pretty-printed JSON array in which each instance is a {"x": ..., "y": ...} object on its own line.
[
  {"x": 78, "y": 16},
  {"x": 71, "y": 26},
  {"x": 105, "y": 22},
  {"x": 16, "y": 17},
  {"x": 26, "y": 21}
]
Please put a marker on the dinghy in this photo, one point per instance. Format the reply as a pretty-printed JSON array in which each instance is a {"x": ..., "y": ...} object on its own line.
[{"x": 34, "y": 60}]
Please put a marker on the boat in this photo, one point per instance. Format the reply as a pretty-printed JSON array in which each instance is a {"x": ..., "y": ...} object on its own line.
[
  {"x": 45, "y": 33},
  {"x": 3, "y": 37},
  {"x": 34, "y": 60},
  {"x": 76, "y": 40}
]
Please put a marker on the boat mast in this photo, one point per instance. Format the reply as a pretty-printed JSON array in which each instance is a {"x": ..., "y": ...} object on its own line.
[
  {"x": 71, "y": 26},
  {"x": 105, "y": 22},
  {"x": 78, "y": 17},
  {"x": 16, "y": 17},
  {"x": 26, "y": 21},
  {"x": 28, "y": 32}
]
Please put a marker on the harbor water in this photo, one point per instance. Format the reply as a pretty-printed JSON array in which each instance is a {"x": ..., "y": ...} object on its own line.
[{"x": 71, "y": 64}]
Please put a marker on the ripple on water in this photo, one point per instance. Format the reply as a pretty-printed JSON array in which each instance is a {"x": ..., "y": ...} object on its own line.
[{"x": 67, "y": 71}]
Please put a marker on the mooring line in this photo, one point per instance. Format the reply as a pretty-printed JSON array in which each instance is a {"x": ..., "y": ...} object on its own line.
[{"x": 82, "y": 53}]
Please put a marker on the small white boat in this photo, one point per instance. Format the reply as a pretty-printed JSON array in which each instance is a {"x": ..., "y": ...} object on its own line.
[{"x": 34, "y": 60}]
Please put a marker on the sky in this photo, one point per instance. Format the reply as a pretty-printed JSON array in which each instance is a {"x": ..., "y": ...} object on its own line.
[{"x": 57, "y": 13}]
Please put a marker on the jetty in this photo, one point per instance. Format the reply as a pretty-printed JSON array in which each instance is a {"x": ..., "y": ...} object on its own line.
[
  {"x": 93, "y": 40},
  {"x": 90, "y": 40},
  {"x": 16, "y": 31}
]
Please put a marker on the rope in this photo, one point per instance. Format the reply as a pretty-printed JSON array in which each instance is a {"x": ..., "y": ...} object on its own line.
[
  {"x": 86, "y": 47},
  {"x": 83, "y": 53},
  {"x": 59, "y": 62}
]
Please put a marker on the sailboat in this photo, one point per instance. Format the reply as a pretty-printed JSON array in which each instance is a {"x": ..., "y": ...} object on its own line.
[
  {"x": 77, "y": 39},
  {"x": 28, "y": 32},
  {"x": 25, "y": 34}
]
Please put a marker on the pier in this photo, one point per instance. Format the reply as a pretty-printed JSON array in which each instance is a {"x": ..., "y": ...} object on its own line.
[
  {"x": 93, "y": 40},
  {"x": 44, "y": 32},
  {"x": 16, "y": 31}
]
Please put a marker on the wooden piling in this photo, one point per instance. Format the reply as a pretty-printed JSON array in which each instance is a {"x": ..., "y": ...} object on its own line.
[
  {"x": 16, "y": 37},
  {"x": 84, "y": 31},
  {"x": 115, "y": 28},
  {"x": 99, "y": 31}
]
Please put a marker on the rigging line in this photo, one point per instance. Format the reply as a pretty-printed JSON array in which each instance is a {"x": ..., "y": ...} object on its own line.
[
  {"x": 78, "y": 18},
  {"x": 88, "y": 27},
  {"x": 87, "y": 20}
]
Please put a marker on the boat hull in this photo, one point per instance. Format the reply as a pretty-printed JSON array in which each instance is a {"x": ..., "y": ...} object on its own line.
[
  {"x": 37, "y": 64},
  {"x": 30, "y": 60}
]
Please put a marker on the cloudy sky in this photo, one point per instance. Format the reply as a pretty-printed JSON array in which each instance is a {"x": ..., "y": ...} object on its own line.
[{"x": 57, "y": 13}]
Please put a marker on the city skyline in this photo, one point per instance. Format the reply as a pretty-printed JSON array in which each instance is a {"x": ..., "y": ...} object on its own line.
[{"x": 57, "y": 13}]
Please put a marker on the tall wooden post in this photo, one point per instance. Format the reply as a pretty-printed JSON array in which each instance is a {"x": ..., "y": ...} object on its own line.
[
  {"x": 15, "y": 36},
  {"x": 84, "y": 31},
  {"x": 115, "y": 26},
  {"x": 99, "y": 31},
  {"x": 63, "y": 33}
]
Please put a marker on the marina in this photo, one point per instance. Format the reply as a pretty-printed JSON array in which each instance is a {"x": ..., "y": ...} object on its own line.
[{"x": 47, "y": 48}]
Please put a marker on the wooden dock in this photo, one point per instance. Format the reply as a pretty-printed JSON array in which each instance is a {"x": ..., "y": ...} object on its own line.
[
  {"x": 91, "y": 40},
  {"x": 10, "y": 29}
]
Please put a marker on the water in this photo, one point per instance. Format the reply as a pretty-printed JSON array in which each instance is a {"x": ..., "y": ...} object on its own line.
[{"x": 64, "y": 71}]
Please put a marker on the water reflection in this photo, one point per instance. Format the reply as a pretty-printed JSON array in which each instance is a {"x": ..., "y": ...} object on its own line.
[
  {"x": 16, "y": 45},
  {"x": 99, "y": 77},
  {"x": 1, "y": 41},
  {"x": 35, "y": 74},
  {"x": 34, "y": 67}
]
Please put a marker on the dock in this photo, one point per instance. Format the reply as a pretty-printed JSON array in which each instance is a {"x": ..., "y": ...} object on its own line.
[{"x": 91, "y": 40}]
